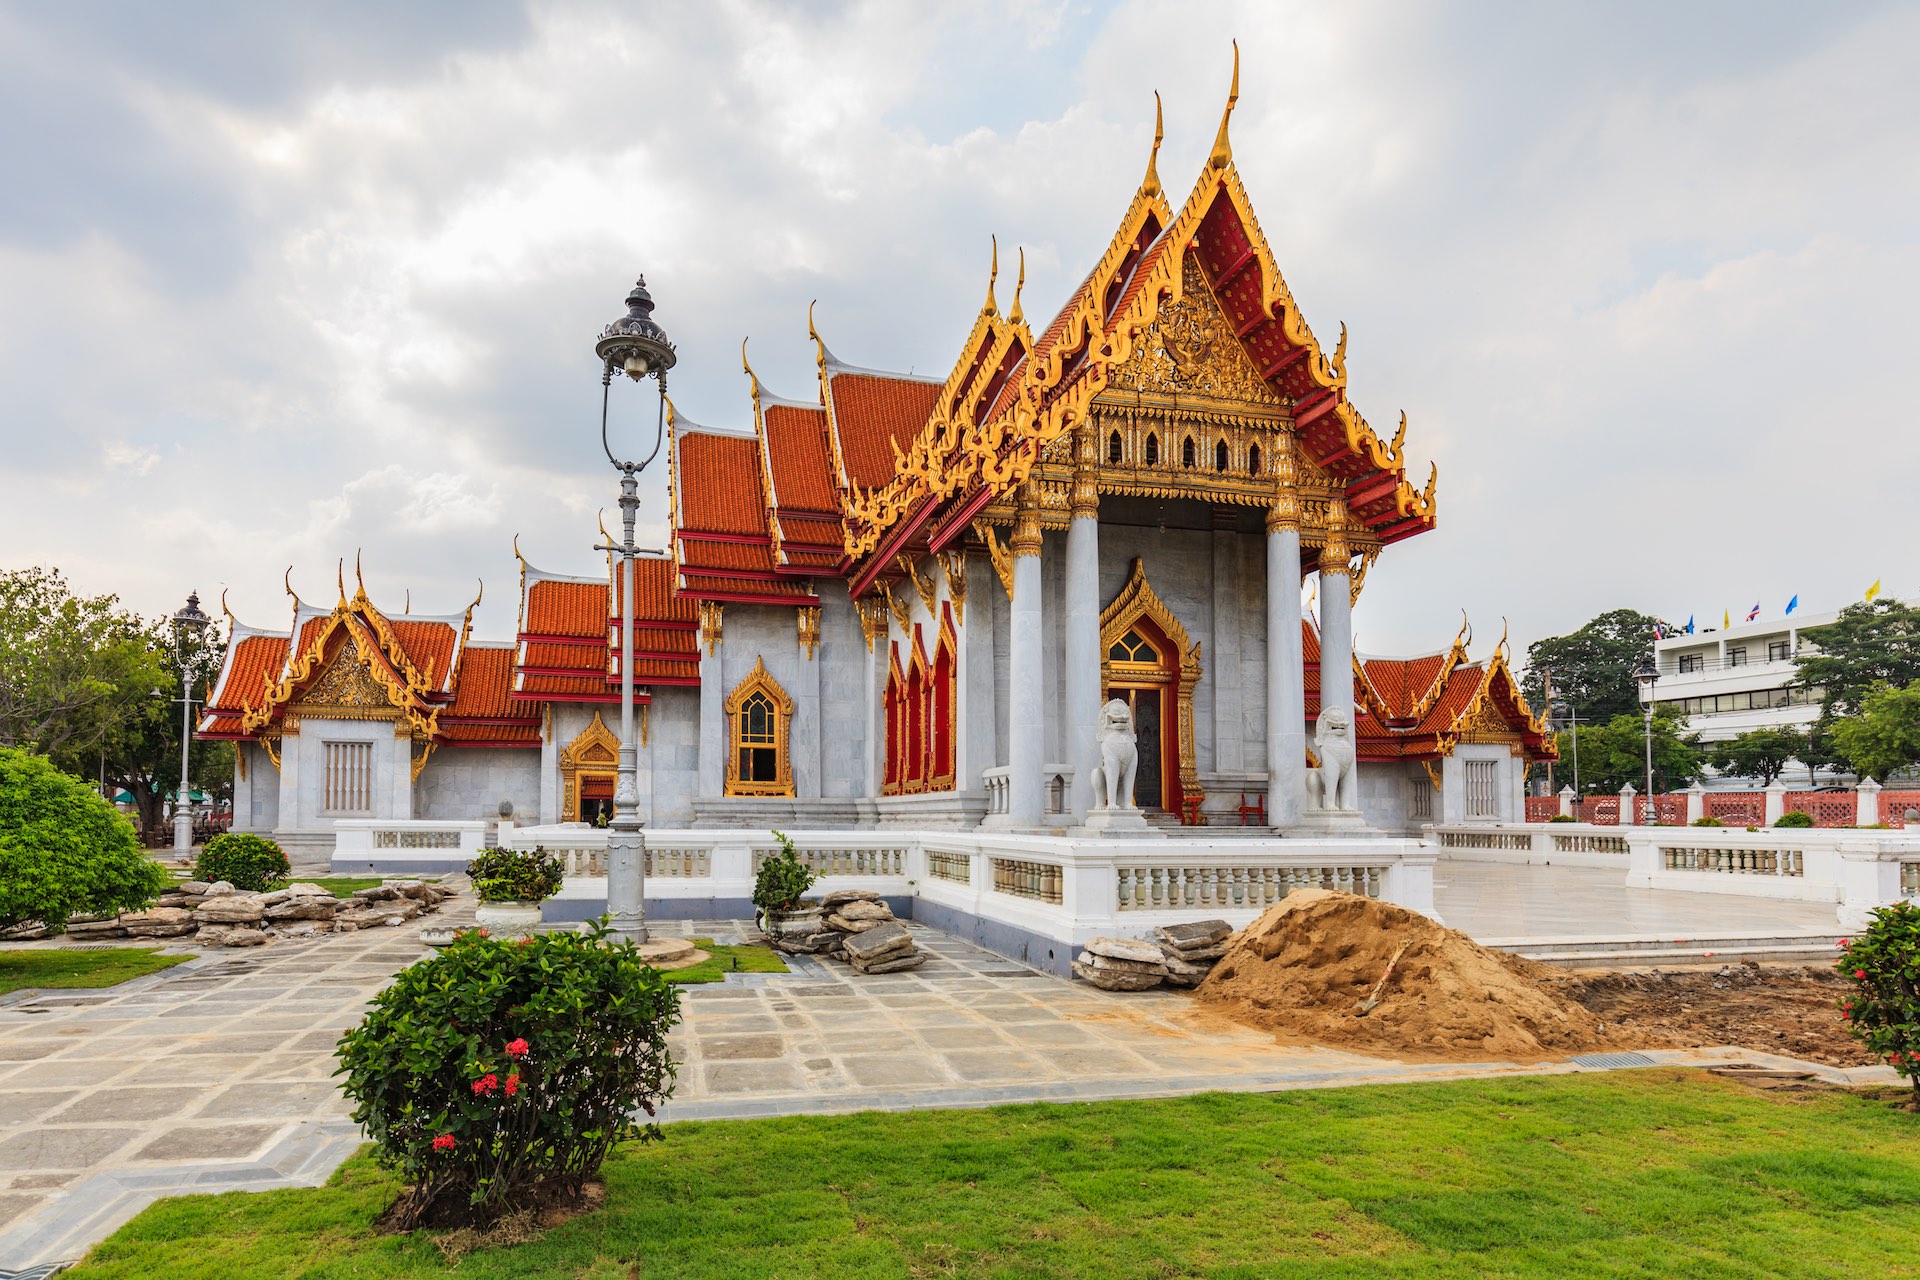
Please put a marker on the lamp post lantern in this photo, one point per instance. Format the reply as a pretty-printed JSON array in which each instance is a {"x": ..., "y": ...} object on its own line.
[
  {"x": 637, "y": 346},
  {"x": 1646, "y": 675},
  {"x": 189, "y": 624}
]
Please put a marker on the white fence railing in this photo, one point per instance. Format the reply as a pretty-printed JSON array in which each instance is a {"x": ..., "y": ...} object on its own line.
[
  {"x": 416, "y": 844},
  {"x": 1054, "y": 887},
  {"x": 1567, "y": 844}
]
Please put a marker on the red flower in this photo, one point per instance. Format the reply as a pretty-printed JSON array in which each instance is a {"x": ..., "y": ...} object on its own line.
[
  {"x": 513, "y": 1085},
  {"x": 1860, "y": 974},
  {"x": 486, "y": 1083},
  {"x": 1844, "y": 943},
  {"x": 444, "y": 1142},
  {"x": 517, "y": 1048}
]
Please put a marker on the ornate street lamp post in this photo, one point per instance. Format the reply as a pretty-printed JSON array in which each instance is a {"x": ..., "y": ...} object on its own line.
[
  {"x": 1647, "y": 675},
  {"x": 638, "y": 347},
  {"x": 188, "y": 626}
]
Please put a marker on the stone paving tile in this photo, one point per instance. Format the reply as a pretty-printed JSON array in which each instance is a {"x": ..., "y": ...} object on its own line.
[
  {"x": 751, "y": 1077},
  {"x": 26, "y": 1050},
  {"x": 140, "y": 1102},
  {"x": 209, "y": 1142},
  {"x": 53, "y": 1074},
  {"x": 12, "y": 1206},
  {"x": 246, "y": 1042},
  {"x": 58, "y": 1148},
  {"x": 26, "y": 1105},
  {"x": 293, "y": 1100},
  {"x": 891, "y": 1071}
]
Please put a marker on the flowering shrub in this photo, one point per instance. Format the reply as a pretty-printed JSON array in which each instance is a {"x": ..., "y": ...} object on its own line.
[
  {"x": 497, "y": 1075},
  {"x": 516, "y": 875},
  {"x": 1883, "y": 1011},
  {"x": 253, "y": 863},
  {"x": 63, "y": 849}
]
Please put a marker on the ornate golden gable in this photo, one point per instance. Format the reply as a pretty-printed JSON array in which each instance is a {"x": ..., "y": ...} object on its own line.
[
  {"x": 1189, "y": 351},
  {"x": 346, "y": 690}
]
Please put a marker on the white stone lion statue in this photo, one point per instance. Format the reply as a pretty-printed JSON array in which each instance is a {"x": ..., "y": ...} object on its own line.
[
  {"x": 1334, "y": 784},
  {"x": 1119, "y": 758}
]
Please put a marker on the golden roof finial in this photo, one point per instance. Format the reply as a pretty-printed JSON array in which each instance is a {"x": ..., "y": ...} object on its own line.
[
  {"x": 1339, "y": 359},
  {"x": 287, "y": 582},
  {"x": 748, "y": 370},
  {"x": 1017, "y": 315},
  {"x": 1150, "y": 185},
  {"x": 231, "y": 620},
  {"x": 406, "y": 601},
  {"x": 340, "y": 578},
  {"x": 603, "y": 526},
  {"x": 1223, "y": 149},
  {"x": 993, "y": 273},
  {"x": 1499, "y": 648},
  {"x": 359, "y": 581},
  {"x": 479, "y": 595},
  {"x": 516, "y": 549},
  {"x": 819, "y": 347}
]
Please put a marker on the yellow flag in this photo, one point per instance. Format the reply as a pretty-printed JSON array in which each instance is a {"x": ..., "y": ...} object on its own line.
[
  {"x": 1726, "y": 619},
  {"x": 1873, "y": 590}
]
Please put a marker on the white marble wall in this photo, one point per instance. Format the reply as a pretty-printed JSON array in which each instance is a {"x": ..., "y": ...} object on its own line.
[{"x": 469, "y": 783}]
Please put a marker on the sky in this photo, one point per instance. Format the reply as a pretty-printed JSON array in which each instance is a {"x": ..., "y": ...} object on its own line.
[{"x": 280, "y": 285}]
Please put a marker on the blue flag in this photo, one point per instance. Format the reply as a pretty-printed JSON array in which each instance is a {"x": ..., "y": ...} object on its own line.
[
  {"x": 1793, "y": 604},
  {"x": 1689, "y": 624}
]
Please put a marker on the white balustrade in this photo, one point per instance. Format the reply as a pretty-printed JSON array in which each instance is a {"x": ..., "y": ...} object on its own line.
[{"x": 401, "y": 845}]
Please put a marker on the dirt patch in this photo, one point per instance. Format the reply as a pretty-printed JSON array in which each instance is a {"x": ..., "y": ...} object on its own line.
[
  {"x": 542, "y": 1205},
  {"x": 1777, "y": 1009},
  {"x": 1300, "y": 968}
]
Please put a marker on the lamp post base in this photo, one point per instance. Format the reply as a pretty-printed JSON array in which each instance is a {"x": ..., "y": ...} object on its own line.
[{"x": 182, "y": 834}]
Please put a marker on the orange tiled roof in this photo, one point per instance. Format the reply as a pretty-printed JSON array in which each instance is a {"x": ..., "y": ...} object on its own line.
[
  {"x": 254, "y": 660},
  {"x": 718, "y": 477},
  {"x": 483, "y": 712},
  {"x": 796, "y": 437},
  {"x": 871, "y": 414}
]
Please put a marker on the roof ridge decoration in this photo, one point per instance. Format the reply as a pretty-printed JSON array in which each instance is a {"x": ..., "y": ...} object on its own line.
[
  {"x": 1455, "y": 656},
  {"x": 1477, "y": 708},
  {"x": 404, "y": 686},
  {"x": 767, "y": 491}
]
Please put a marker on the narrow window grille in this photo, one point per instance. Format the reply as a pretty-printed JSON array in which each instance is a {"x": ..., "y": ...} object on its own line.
[
  {"x": 348, "y": 785},
  {"x": 1483, "y": 799}
]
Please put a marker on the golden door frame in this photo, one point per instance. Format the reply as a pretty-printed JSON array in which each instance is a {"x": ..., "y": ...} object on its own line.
[
  {"x": 1138, "y": 600},
  {"x": 595, "y": 753}
]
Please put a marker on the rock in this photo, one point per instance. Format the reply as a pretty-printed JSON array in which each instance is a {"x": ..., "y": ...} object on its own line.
[
  {"x": 844, "y": 925},
  {"x": 94, "y": 927},
  {"x": 198, "y": 888},
  {"x": 1114, "y": 980},
  {"x": 177, "y": 900},
  {"x": 1157, "y": 966},
  {"x": 418, "y": 890},
  {"x": 1125, "y": 949},
  {"x": 158, "y": 922},
  {"x": 379, "y": 893},
  {"x": 864, "y": 910},
  {"x": 885, "y": 938},
  {"x": 892, "y": 964},
  {"x": 1181, "y": 973},
  {"x": 1196, "y": 935},
  {"x": 218, "y": 888},
  {"x": 25, "y": 931},
  {"x": 1199, "y": 955},
  {"x": 302, "y": 889},
  {"x": 304, "y": 908},
  {"x": 839, "y": 896},
  {"x": 243, "y": 937},
  {"x": 232, "y": 908},
  {"x": 305, "y": 929}
]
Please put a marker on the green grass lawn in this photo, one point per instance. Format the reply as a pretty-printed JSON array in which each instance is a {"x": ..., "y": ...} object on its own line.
[
  {"x": 106, "y": 967},
  {"x": 721, "y": 961},
  {"x": 341, "y": 886},
  {"x": 1632, "y": 1174}
]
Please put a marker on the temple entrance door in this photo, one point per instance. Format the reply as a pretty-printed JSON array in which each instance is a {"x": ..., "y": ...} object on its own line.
[
  {"x": 596, "y": 798},
  {"x": 1149, "y": 726}
]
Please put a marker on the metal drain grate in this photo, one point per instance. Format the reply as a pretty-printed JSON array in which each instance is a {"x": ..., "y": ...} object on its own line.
[{"x": 1608, "y": 1061}]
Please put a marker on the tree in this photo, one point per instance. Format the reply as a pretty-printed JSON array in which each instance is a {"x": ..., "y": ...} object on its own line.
[
  {"x": 63, "y": 849},
  {"x": 1868, "y": 644},
  {"x": 1885, "y": 737},
  {"x": 71, "y": 666},
  {"x": 1614, "y": 754},
  {"x": 1592, "y": 669},
  {"x": 1761, "y": 753},
  {"x": 142, "y": 751}
]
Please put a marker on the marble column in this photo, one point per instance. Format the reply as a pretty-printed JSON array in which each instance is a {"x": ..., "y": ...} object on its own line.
[
  {"x": 1027, "y": 720},
  {"x": 713, "y": 704},
  {"x": 1083, "y": 626},
  {"x": 1286, "y": 668},
  {"x": 1336, "y": 616}
]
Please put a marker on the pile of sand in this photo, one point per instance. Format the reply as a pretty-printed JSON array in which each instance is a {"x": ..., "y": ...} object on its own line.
[{"x": 1298, "y": 970}]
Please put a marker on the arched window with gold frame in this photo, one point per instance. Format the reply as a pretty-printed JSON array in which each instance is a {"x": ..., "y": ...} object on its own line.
[
  {"x": 759, "y": 724},
  {"x": 942, "y": 769},
  {"x": 915, "y": 745},
  {"x": 893, "y": 778}
]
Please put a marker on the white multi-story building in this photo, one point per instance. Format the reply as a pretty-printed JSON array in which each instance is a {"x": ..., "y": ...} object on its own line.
[{"x": 1741, "y": 678}]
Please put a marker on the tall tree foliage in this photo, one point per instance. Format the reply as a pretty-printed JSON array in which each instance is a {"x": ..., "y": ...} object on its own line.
[
  {"x": 1593, "y": 667},
  {"x": 1870, "y": 643},
  {"x": 1885, "y": 736},
  {"x": 1615, "y": 753},
  {"x": 71, "y": 666},
  {"x": 142, "y": 755},
  {"x": 1762, "y": 753}
]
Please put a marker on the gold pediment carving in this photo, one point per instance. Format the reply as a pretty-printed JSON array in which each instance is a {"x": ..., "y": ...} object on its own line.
[
  {"x": 1484, "y": 723},
  {"x": 346, "y": 690},
  {"x": 1190, "y": 351}
]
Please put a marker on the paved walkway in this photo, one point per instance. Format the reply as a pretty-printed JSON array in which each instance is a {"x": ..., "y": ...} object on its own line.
[
  {"x": 1491, "y": 901},
  {"x": 217, "y": 1074}
]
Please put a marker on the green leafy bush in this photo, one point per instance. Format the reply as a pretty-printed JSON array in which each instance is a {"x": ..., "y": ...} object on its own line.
[
  {"x": 1708, "y": 821},
  {"x": 253, "y": 863},
  {"x": 516, "y": 875},
  {"x": 781, "y": 879},
  {"x": 1794, "y": 819},
  {"x": 497, "y": 1075},
  {"x": 64, "y": 850},
  {"x": 1883, "y": 1013},
  {"x": 1563, "y": 817}
]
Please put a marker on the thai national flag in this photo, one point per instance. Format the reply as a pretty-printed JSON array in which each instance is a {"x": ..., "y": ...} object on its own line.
[
  {"x": 1753, "y": 612},
  {"x": 1658, "y": 634}
]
